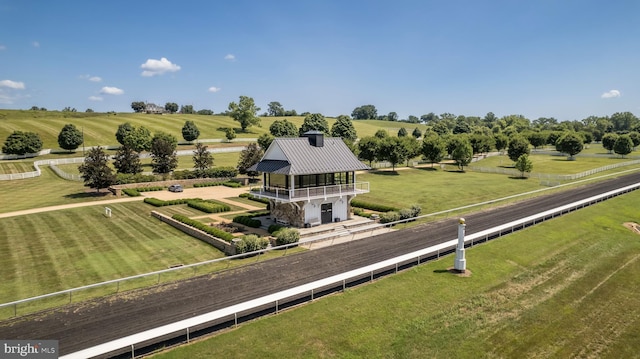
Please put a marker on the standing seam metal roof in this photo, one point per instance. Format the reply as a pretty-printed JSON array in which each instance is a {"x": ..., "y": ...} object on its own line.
[{"x": 303, "y": 158}]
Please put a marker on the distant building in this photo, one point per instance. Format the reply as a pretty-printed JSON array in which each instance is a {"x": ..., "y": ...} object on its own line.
[
  {"x": 309, "y": 180},
  {"x": 154, "y": 109}
]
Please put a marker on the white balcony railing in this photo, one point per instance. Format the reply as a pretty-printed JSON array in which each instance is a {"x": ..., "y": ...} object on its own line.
[{"x": 310, "y": 193}]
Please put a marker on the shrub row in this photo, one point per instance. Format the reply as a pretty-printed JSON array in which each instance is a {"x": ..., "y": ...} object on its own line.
[
  {"x": 126, "y": 178},
  {"x": 207, "y": 184},
  {"x": 232, "y": 184},
  {"x": 254, "y": 198},
  {"x": 160, "y": 203},
  {"x": 360, "y": 212},
  {"x": 135, "y": 192},
  {"x": 247, "y": 221},
  {"x": 287, "y": 236},
  {"x": 218, "y": 172},
  {"x": 251, "y": 243},
  {"x": 274, "y": 228},
  {"x": 203, "y": 227},
  {"x": 209, "y": 206},
  {"x": 372, "y": 206},
  {"x": 404, "y": 213}
]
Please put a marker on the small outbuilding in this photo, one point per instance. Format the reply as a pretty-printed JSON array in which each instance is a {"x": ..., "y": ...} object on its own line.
[{"x": 309, "y": 180}]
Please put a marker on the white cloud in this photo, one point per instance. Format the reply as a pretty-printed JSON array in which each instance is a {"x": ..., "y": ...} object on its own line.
[
  {"x": 12, "y": 84},
  {"x": 95, "y": 98},
  {"x": 214, "y": 89},
  {"x": 2, "y": 47},
  {"x": 158, "y": 67},
  {"x": 230, "y": 57},
  {"x": 611, "y": 94},
  {"x": 111, "y": 91},
  {"x": 35, "y": 44},
  {"x": 95, "y": 79}
]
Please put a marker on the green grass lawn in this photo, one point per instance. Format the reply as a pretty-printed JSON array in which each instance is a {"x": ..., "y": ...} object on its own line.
[
  {"x": 437, "y": 190},
  {"x": 544, "y": 163},
  {"x": 57, "y": 250},
  {"x": 100, "y": 128},
  {"x": 564, "y": 288}
]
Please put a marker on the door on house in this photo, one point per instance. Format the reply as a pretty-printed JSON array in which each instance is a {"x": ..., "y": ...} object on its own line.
[{"x": 326, "y": 213}]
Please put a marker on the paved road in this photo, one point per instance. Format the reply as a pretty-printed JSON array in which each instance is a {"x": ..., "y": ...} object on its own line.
[{"x": 84, "y": 325}]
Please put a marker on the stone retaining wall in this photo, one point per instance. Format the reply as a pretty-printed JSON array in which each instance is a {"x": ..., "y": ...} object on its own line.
[
  {"x": 117, "y": 189},
  {"x": 226, "y": 247}
]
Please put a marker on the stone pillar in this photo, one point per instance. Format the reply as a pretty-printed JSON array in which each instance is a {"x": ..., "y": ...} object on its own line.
[{"x": 460, "y": 263}]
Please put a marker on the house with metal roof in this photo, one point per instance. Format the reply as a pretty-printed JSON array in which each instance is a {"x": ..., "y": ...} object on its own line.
[{"x": 309, "y": 180}]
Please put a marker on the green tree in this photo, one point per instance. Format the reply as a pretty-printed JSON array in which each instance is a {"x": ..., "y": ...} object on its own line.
[
  {"x": 623, "y": 121},
  {"x": 283, "y": 128},
  {"x": 433, "y": 149},
  {"x": 264, "y": 141},
  {"x": 393, "y": 150},
  {"x": 163, "y": 153},
  {"x": 190, "y": 131},
  {"x": 251, "y": 155},
  {"x": 171, "y": 107},
  {"x": 392, "y": 116},
  {"x": 537, "y": 139},
  {"x": 127, "y": 160},
  {"x": 137, "y": 138},
  {"x": 441, "y": 129},
  {"x": 635, "y": 138},
  {"x": 138, "y": 106},
  {"x": 412, "y": 146},
  {"x": 95, "y": 170},
  {"x": 608, "y": 141},
  {"x": 413, "y": 119},
  {"x": 229, "y": 134},
  {"x": 570, "y": 143},
  {"x": 502, "y": 142},
  {"x": 518, "y": 146},
  {"x": 205, "y": 112},
  {"x": 89, "y": 110},
  {"x": 245, "y": 112},
  {"x": 70, "y": 137},
  {"x": 524, "y": 164},
  {"x": 416, "y": 133},
  {"x": 343, "y": 128},
  {"x": 122, "y": 131},
  {"x": 429, "y": 118},
  {"x": 274, "y": 108},
  {"x": 481, "y": 143},
  {"x": 314, "y": 122},
  {"x": 623, "y": 145},
  {"x": 202, "y": 160},
  {"x": 462, "y": 153},
  {"x": 365, "y": 112},
  {"x": 368, "y": 149},
  {"x": 187, "y": 110},
  {"x": 381, "y": 134},
  {"x": 402, "y": 132},
  {"x": 21, "y": 143}
]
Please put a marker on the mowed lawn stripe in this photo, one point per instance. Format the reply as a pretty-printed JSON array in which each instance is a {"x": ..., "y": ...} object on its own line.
[{"x": 58, "y": 250}]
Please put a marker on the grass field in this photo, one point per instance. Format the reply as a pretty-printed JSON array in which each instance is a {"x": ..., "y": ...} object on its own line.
[
  {"x": 100, "y": 128},
  {"x": 52, "y": 251},
  {"x": 544, "y": 163},
  {"x": 564, "y": 288}
]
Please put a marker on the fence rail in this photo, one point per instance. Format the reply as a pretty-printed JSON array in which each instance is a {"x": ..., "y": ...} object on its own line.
[{"x": 272, "y": 303}]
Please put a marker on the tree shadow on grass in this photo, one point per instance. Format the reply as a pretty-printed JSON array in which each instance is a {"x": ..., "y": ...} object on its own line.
[
  {"x": 518, "y": 178},
  {"x": 433, "y": 169},
  {"x": 385, "y": 173},
  {"x": 93, "y": 194}
]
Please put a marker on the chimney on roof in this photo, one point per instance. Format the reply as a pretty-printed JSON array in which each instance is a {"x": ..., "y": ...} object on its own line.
[{"x": 316, "y": 138}]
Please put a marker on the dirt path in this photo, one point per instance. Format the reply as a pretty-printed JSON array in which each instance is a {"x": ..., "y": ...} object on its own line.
[{"x": 71, "y": 205}]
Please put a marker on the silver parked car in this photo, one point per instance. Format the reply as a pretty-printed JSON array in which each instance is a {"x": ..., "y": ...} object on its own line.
[{"x": 175, "y": 188}]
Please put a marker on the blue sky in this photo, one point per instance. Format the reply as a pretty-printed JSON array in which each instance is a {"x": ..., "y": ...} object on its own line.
[{"x": 559, "y": 58}]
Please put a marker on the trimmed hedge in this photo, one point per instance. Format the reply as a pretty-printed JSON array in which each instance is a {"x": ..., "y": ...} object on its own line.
[
  {"x": 218, "y": 172},
  {"x": 203, "y": 227},
  {"x": 126, "y": 178},
  {"x": 274, "y": 228},
  {"x": 247, "y": 221},
  {"x": 135, "y": 192},
  {"x": 160, "y": 203},
  {"x": 372, "y": 206},
  {"x": 232, "y": 184},
  {"x": 253, "y": 198},
  {"x": 360, "y": 212},
  {"x": 208, "y": 184},
  {"x": 209, "y": 206}
]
